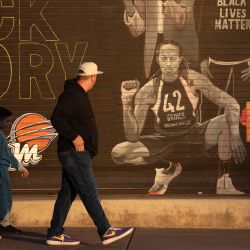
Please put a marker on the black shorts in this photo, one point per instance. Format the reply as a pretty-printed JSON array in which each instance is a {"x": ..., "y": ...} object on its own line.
[{"x": 176, "y": 148}]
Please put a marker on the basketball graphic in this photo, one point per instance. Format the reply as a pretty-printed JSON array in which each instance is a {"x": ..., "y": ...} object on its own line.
[{"x": 32, "y": 129}]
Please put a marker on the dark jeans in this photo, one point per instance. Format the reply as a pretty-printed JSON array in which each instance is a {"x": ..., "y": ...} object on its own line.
[
  {"x": 77, "y": 178},
  {"x": 5, "y": 192}
]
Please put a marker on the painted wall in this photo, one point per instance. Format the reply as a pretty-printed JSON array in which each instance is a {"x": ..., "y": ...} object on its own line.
[{"x": 42, "y": 43}]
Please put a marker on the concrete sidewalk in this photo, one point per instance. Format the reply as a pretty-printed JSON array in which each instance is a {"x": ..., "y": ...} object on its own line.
[{"x": 141, "y": 239}]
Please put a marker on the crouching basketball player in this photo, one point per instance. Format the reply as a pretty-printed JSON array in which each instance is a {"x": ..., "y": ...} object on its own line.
[{"x": 174, "y": 95}]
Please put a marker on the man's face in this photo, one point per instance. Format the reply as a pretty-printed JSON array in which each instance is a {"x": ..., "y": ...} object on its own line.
[
  {"x": 6, "y": 123},
  {"x": 169, "y": 59}
]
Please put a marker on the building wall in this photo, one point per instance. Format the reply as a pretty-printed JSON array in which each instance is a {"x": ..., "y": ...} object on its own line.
[{"x": 42, "y": 45}]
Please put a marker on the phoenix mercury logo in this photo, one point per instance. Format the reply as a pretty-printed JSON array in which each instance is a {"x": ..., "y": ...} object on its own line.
[{"x": 30, "y": 135}]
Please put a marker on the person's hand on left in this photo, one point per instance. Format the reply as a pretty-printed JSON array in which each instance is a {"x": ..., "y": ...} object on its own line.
[{"x": 24, "y": 171}]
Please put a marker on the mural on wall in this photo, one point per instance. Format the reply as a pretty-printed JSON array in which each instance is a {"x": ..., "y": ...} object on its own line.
[
  {"x": 30, "y": 135},
  {"x": 40, "y": 47},
  {"x": 223, "y": 28},
  {"x": 175, "y": 92},
  {"x": 162, "y": 20}
]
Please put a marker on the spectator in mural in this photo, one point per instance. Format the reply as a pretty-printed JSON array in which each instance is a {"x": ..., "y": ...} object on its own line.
[
  {"x": 162, "y": 20},
  {"x": 174, "y": 95},
  {"x": 74, "y": 120},
  {"x": 223, "y": 29},
  {"x": 7, "y": 159}
]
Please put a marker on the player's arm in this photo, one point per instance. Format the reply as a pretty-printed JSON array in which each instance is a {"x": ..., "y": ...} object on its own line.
[
  {"x": 231, "y": 106},
  {"x": 134, "y": 16},
  {"x": 136, "y": 104},
  {"x": 218, "y": 97},
  {"x": 176, "y": 12}
]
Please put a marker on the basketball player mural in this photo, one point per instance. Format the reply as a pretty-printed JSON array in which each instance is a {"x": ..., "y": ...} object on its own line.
[
  {"x": 30, "y": 135},
  {"x": 162, "y": 20},
  {"x": 174, "y": 95}
]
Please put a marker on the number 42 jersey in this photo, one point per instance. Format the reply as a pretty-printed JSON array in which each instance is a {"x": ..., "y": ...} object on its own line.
[{"x": 177, "y": 108}]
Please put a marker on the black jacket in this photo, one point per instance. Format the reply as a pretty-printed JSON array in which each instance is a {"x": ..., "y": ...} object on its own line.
[{"x": 74, "y": 116}]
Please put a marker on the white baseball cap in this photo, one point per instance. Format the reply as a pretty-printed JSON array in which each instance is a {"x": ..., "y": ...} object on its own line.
[{"x": 88, "y": 69}]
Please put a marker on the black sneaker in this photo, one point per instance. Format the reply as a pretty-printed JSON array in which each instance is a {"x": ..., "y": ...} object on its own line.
[{"x": 9, "y": 230}]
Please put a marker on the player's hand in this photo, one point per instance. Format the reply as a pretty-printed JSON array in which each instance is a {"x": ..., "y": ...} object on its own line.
[
  {"x": 245, "y": 74},
  {"x": 130, "y": 88},
  {"x": 176, "y": 12},
  {"x": 130, "y": 7},
  {"x": 24, "y": 171},
  {"x": 79, "y": 144},
  {"x": 237, "y": 149},
  {"x": 171, "y": 3},
  {"x": 205, "y": 69}
]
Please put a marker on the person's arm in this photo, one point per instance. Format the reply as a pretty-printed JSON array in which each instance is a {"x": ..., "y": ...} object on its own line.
[
  {"x": 61, "y": 115},
  {"x": 8, "y": 155},
  {"x": 134, "y": 16},
  {"x": 60, "y": 120},
  {"x": 16, "y": 164},
  {"x": 176, "y": 12},
  {"x": 218, "y": 97},
  {"x": 223, "y": 100},
  {"x": 136, "y": 104}
]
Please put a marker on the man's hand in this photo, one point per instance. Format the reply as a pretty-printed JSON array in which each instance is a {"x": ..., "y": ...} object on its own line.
[
  {"x": 130, "y": 7},
  {"x": 245, "y": 74},
  {"x": 205, "y": 69},
  {"x": 237, "y": 149},
  {"x": 24, "y": 171},
  {"x": 79, "y": 144},
  {"x": 129, "y": 90},
  {"x": 175, "y": 11},
  {"x": 171, "y": 3}
]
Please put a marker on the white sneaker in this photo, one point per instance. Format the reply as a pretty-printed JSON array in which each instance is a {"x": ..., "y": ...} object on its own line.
[
  {"x": 163, "y": 177},
  {"x": 225, "y": 186}
]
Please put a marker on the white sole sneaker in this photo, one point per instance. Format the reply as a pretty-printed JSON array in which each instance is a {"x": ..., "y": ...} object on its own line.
[
  {"x": 62, "y": 243},
  {"x": 163, "y": 180},
  {"x": 229, "y": 192},
  {"x": 112, "y": 240},
  {"x": 158, "y": 189},
  {"x": 225, "y": 186}
]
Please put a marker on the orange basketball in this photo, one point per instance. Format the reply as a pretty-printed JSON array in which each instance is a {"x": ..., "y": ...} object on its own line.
[{"x": 33, "y": 129}]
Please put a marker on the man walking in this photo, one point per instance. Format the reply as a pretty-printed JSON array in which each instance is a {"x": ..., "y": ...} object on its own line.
[{"x": 74, "y": 120}]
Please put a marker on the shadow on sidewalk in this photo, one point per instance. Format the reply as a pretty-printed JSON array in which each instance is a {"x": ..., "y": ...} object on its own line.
[{"x": 34, "y": 238}]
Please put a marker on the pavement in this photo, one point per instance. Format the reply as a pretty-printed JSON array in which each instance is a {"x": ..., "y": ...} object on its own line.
[{"x": 141, "y": 239}]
